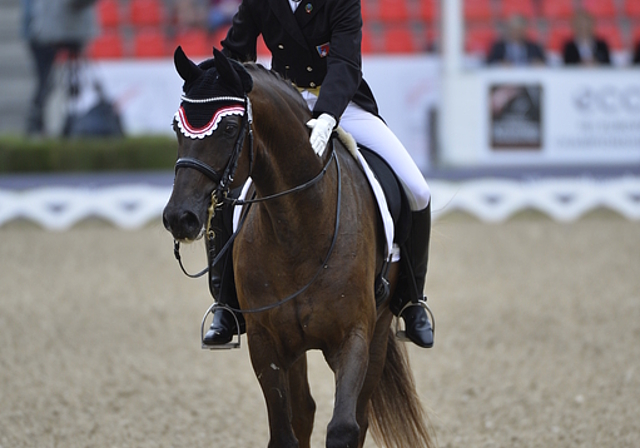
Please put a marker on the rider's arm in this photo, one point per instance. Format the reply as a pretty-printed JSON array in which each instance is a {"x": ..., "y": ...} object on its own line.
[
  {"x": 344, "y": 61},
  {"x": 240, "y": 43}
]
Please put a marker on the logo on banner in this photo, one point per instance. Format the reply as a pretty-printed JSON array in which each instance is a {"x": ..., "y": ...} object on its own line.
[
  {"x": 323, "y": 50},
  {"x": 608, "y": 99}
]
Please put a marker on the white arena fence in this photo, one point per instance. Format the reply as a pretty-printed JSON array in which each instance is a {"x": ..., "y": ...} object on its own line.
[{"x": 489, "y": 200}]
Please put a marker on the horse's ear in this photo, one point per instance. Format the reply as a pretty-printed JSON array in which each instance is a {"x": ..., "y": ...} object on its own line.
[
  {"x": 235, "y": 75},
  {"x": 245, "y": 77},
  {"x": 186, "y": 68}
]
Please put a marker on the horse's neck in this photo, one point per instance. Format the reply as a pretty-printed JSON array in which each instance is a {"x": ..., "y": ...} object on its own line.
[{"x": 285, "y": 160}]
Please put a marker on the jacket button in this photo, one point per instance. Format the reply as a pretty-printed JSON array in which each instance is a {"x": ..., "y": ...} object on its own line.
[
  {"x": 312, "y": 84},
  {"x": 281, "y": 47},
  {"x": 309, "y": 69},
  {"x": 287, "y": 67}
]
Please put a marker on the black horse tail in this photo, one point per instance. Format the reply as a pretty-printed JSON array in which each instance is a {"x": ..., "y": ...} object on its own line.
[{"x": 396, "y": 416}]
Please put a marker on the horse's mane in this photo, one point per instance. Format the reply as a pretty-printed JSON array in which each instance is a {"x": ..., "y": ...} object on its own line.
[{"x": 276, "y": 81}]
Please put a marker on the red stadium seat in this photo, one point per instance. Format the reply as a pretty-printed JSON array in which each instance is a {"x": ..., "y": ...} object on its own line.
[
  {"x": 429, "y": 10},
  {"x": 393, "y": 10},
  {"x": 558, "y": 36},
  {"x": 398, "y": 39},
  {"x": 146, "y": 12},
  {"x": 632, "y": 8},
  {"x": 365, "y": 9},
  {"x": 519, "y": 7},
  {"x": 557, "y": 9},
  {"x": 219, "y": 35},
  {"x": 610, "y": 32},
  {"x": 106, "y": 46},
  {"x": 109, "y": 13},
  {"x": 196, "y": 42},
  {"x": 479, "y": 39},
  {"x": 477, "y": 10},
  {"x": 600, "y": 8},
  {"x": 431, "y": 39},
  {"x": 367, "y": 41},
  {"x": 150, "y": 43}
]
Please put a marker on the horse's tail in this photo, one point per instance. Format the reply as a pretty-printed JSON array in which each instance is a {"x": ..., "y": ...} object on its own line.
[{"x": 396, "y": 416}]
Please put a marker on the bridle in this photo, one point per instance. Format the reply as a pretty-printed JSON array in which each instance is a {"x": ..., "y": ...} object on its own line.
[
  {"x": 225, "y": 179},
  {"x": 219, "y": 196}
]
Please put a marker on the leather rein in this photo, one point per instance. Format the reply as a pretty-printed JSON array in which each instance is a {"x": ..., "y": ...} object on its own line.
[{"x": 219, "y": 196}]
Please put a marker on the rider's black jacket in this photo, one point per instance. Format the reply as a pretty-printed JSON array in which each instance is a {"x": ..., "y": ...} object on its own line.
[{"x": 318, "y": 45}]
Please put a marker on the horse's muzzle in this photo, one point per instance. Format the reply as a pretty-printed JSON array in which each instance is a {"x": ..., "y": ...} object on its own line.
[{"x": 184, "y": 225}]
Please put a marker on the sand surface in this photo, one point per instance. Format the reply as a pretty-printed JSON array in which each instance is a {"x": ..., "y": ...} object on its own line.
[{"x": 538, "y": 341}]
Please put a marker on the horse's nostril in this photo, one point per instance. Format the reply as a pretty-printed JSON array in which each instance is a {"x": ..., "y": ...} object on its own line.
[{"x": 189, "y": 220}]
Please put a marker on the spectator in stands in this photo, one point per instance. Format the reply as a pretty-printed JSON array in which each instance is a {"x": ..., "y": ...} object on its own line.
[
  {"x": 52, "y": 27},
  {"x": 190, "y": 14},
  {"x": 221, "y": 12},
  {"x": 585, "y": 48},
  {"x": 516, "y": 49}
]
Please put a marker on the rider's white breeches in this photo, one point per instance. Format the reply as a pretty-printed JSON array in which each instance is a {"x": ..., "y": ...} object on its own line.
[{"x": 372, "y": 132}]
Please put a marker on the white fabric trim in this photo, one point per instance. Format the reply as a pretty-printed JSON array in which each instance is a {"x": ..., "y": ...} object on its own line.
[
  {"x": 186, "y": 99},
  {"x": 237, "y": 209}
]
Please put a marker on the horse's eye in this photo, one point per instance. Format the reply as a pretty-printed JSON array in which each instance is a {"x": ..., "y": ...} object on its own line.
[{"x": 230, "y": 130}]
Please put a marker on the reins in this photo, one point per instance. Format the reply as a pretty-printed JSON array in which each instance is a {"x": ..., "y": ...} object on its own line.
[
  {"x": 324, "y": 264},
  {"x": 220, "y": 195}
]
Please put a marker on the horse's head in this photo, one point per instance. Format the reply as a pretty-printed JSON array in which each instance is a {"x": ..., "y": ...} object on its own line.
[{"x": 211, "y": 125}]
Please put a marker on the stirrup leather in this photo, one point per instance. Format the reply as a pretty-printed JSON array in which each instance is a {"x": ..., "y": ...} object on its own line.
[
  {"x": 401, "y": 333},
  {"x": 228, "y": 346}
]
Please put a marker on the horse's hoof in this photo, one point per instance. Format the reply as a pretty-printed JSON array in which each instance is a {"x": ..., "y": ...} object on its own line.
[{"x": 418, "y": 328}]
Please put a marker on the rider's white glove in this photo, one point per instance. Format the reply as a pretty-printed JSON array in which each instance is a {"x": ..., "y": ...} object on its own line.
[{"x": 321, "y": 129}]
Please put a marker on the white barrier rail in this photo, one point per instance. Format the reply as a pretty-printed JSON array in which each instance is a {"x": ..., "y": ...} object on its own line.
[{"x": 493, "y": 201}]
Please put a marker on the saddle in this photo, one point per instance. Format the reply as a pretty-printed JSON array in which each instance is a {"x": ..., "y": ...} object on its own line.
[
  {"x": 394, "y": 194},
  {"x": 396, "y": 200}
]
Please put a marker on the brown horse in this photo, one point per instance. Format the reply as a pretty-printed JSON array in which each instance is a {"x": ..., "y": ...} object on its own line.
[{"x": 282, "y": 247}]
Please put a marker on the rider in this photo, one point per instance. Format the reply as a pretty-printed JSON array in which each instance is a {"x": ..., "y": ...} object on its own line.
[{"x": 316, "y": 45}]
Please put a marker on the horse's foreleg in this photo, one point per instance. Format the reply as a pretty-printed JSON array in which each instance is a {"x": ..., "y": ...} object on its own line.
[
  {"x": 350, "y": 368},
  {"x": 303, "y": 406},
  {"x": 274, "y": 382}
]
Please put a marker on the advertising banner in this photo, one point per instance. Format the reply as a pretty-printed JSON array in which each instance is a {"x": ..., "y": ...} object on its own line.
[{"x": 561, "y": 116}]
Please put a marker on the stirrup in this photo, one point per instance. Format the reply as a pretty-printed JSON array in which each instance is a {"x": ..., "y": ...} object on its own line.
[
  {"x": 229, "y": 345},
  {"x": 401, "y": 333}
]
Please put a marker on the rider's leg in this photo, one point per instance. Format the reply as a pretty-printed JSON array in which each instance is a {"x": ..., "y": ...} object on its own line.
[
  {"x": 411, "y": 284},
  {"x": 371, "y": 131},
  {"x": 223, "y": 287}
]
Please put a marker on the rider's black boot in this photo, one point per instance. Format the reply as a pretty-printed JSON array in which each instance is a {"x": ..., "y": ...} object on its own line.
[
  {"x": 223, "y": 287},
  {"x": 410, "y": 289}
]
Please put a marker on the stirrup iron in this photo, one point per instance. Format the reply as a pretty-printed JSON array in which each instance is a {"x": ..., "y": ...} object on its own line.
[
  {"x": 401, "y": 333},
  {"x": 228, "y": 346}
]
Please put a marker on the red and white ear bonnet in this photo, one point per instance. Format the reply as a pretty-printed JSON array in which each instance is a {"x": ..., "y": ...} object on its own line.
[{"x": 198, "y": 118}]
